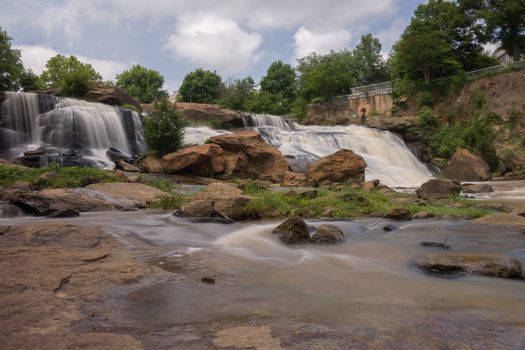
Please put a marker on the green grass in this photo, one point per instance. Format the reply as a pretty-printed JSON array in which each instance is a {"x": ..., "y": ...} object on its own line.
[
  {"x": 160, "y": 183},
  {"x": 63, "y": 177},
  {"x": 169, "y": 201},
  {"x": 350, "y": 203}
]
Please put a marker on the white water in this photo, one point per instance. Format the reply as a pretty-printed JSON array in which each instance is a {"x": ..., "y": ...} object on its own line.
[
  {"x": 88, "y": 128},
  {"x": 387, "y": 156}
]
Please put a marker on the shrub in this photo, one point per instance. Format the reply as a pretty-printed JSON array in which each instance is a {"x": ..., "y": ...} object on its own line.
[
  {"x": 428, "y": 120},
  {"x": 164, "y": 129},
  {"x": 478, "y": 99},
  {"x": 76, "y": 83},
  {"x": 426, "y": 99},
  {"x": 129, "y": 106}
]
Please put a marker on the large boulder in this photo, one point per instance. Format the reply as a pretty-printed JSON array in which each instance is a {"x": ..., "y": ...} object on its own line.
[
  {"x": 438, "y": 189},
  {"x": 328, "y": 234},
  {"x": 131, "y": 191},
  {"x": 246, "y": 154},
  {"x": 151, "y": 163},
  {"x": 486, "y": 264},
  {"x": 111, "y": 95},
  {"x": 464, "y": 166},
  {"x": 477, "y": 188},
  {"x": 203, "y": 160},
  {"x": 213, "y": 115},
  {"x": 344, "y": 166},
  {"x": 293, "y": 231},
  {"x": 218, "y": 199},
  {"x": 49, "y": 201}
]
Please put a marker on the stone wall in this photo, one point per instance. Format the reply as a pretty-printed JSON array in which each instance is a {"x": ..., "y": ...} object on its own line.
[{"x": 348, "y": 111}]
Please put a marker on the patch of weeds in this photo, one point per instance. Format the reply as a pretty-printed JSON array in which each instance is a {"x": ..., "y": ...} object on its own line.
[
  {"x": 169, "y": 201},
  {"x": 161, "y": 183}
]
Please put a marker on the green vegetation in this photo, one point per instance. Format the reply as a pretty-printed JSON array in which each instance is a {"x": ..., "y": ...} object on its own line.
[
  {"x": 163, "y": 184},
  {"x": 28, "y": 81},
  {"x": 10, "y": 63},
  {"x": 73, "y": 77},
  {"x": 346, "y": 202},
  {"x": 164, "y": 129},
  {"x": 202, "y": 86},
  {"x": 236, "y": 93},
  {"x": 129, "y": 106},
  {"x": 58, "y": 177},
  {"x": 169, "y": 202},
  {"x": 142, "y": 83}
]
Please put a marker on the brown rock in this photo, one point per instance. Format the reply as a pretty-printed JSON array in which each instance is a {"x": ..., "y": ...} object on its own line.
[
  {"x": 502, "y": 219},
  {"x": 203, "y": 160},
  {"x": 370, "y": 185},
  {"x": 464, "y": 166},
  {"x": 218, "y": 199},
  {"x": 292, "y": 179},
  {"x": 438, "y": 189},
  {"x": 476, "y": 188},
  {"x": 201, "y": 113},
  {"x": 399, "y": 214},
  {"x": 293, "y": 231},
  {"x": 329, "y": 211},
  {"x": 131, "y": 191},
  {"x": 486, "y": 264},
  {"x": 247, "y": 154},
  {"x": 50, "y": 200},
  {"x": 21, "y": 186},
  {"x": 151, "y": 163},
  {"x": 328, "y": 234},
  {"x": 343, "y": 166},
  {"x": 125, "y": 166},
  {"x": 111, "y": 95}
]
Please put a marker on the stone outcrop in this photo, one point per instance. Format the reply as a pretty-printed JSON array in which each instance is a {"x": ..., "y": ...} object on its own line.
[
  {"x": 218, "y": 199},
  {"x": 111, "y": 95},
  {"x": 48, "y": 201},
  {"x": 292, "y": 231},
  {"x": 438, "y": 189},
  {"x": 135, "y": 192},
  {"x": 476, "y": 188},
  {"x": 246, "y": 154},
  {"x": 486, "y": 264},
  {"x": 328, "y": 234},
  {"x": 203, "y": 160},
  {"x": 210, "y": 114},
  {"x": 50, "y": 272},
  {"x": 502, "y": 219},
  {"x": 150, "y": 163},
  {"x": 344, "y": 166},
  {"x": 464, "y": 166}
]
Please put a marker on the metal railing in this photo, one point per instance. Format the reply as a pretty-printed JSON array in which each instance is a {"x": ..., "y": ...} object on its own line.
[
  {"x": 386, "y": 87},
  {"x": 495, "y": 69}
]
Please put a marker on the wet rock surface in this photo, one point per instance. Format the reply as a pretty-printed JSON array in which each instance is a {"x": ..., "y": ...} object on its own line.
[
  {"x": 438, "y": 189},
  {"x": 328, "y": 234},
  {"x": 486, "y": 264},
  {"x": 343, "y": 166},
  {"x": 293, "y": 231}
]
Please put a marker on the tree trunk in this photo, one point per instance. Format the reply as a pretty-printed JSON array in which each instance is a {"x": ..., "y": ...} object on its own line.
[{"x": 516, "y": 53}]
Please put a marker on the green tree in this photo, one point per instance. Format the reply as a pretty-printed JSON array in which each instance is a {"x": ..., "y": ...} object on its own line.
[
  {"x": 503, "y": 22},
  {"x": 28, "y": 80},
  {"x": 279, "y": 80},
  {"x": 61, "y": 70},
  {"x": 202, "y": 86},
  {"x": 142, "y": 83},
  {"x": 369, "y": 62},
  {"x": 10, "y": 63},
  {"x": 164, "y": 129},
  {"x": 326, "y": 76},
  {"x": 237, "y": 92}
]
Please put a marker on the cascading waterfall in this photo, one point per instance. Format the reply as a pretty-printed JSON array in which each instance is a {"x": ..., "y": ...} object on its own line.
[
  {"x": 387, "y": 156},
  {"x": 29, "y": 121}
]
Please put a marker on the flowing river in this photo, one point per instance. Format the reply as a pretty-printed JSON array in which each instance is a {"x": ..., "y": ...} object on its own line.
[{"x": 364, "y": 293}]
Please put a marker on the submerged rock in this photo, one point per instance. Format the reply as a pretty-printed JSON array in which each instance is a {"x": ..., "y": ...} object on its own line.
[
  {"x": 328, "y": 234},
  {"x": 344, "y": 166},
  {"x": 476, "y": 188},
  {"x": 292, "y": 231},
  {"x": 486, "y": 264},
  {"x": 435, "y": 244},
  {"x": 438, "y": 189},
  {"x": 464, "y": 166}
]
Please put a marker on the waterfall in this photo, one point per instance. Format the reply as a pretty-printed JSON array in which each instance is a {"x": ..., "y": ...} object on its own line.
[
  {"x": 387, "y": 156},
  {"x": 29, "y": 121}
]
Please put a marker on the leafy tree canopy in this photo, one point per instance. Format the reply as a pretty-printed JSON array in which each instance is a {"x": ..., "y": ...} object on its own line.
[
  {"x": 142, "y": 83},
  {"x": 10, "y": 63},
  {"x": 61, "y": 70},
  {"x": 279, "y": 80},
  {"x": 202, "y": 86},
  {"x": 236, "y": 93},
  {"x": 370, "y": 64}
]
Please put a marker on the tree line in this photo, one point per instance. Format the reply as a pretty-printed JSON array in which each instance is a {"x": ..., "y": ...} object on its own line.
[{"x": 443, "y": 39}]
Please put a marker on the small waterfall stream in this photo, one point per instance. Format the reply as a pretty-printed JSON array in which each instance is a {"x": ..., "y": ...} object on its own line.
[
  {"x": 29, "y": 121},
  {"x": 387, "y": 156}
]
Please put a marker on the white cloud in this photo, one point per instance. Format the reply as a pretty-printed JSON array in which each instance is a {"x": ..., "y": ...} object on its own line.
[
  {"x": 215, "y": 43},
  {"x": 306, "y": 41},
  {"x": 35, "y": 57}
]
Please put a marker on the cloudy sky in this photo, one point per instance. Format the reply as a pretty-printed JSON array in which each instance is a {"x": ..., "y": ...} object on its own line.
[{"x": 236, "y": 38}]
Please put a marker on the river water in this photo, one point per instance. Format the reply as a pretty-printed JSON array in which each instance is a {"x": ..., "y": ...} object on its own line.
[{"x": 366, "y": 290}]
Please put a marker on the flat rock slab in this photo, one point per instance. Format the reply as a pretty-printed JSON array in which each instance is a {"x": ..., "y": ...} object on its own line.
[
  {"x": 486, "y": 264},
  {"x": 130, "y": 191},
  {"x": 501, "y": 219}
]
